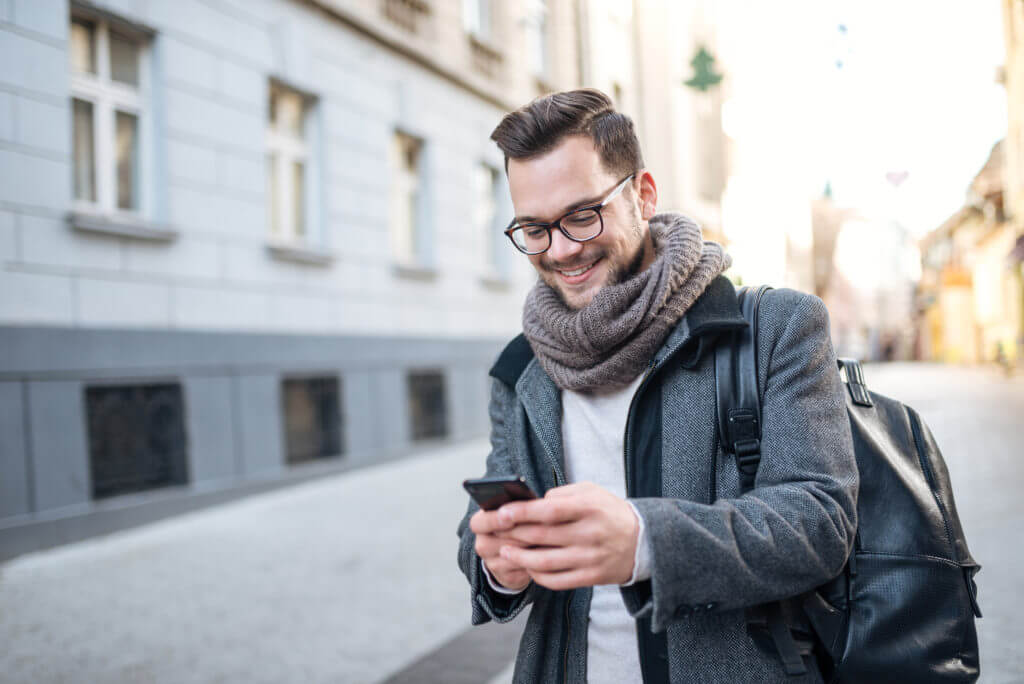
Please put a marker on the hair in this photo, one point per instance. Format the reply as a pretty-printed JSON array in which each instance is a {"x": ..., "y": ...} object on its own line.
[{"x": 541, "y": 125}]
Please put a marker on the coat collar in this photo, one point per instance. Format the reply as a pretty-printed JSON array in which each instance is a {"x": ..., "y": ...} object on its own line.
[{"x": 715, "y": 312}]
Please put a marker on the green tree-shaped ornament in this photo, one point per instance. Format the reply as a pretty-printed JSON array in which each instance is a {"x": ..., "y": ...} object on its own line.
[{"x": 704, "y": 76}]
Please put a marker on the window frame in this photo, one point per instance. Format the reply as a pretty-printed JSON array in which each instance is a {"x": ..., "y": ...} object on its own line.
[
  {"x": 538, "y": 38},
  {"x": 285, "y": 149},
  {"x": 414, "y": 195},
  {"x": 478, "y": 19},
  {"x": 108, "y": 97}
]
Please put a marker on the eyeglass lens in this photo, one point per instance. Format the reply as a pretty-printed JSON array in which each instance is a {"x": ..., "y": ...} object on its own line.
[{"x": 580, "y": 225}]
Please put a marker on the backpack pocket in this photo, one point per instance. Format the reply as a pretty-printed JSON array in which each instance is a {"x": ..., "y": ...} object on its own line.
[{"x": 894, "y": 601}]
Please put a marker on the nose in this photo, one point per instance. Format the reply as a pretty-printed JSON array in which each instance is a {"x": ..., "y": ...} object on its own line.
[{"x": 562, "y": 249}]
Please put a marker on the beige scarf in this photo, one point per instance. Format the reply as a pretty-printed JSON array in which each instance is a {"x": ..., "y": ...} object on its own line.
[{"x": 610, "y": 341}]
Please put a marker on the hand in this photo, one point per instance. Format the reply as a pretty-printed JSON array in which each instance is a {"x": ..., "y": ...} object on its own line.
[
  {"x": 584, "y": 535},
  {"x": 487, "y": 525}
]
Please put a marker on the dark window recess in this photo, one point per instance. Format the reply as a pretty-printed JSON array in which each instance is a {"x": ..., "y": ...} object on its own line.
[
  {"x": 312, "y": 418},
  {"x": 136, "y": 438},
  {"x": 428, "y": 409}
]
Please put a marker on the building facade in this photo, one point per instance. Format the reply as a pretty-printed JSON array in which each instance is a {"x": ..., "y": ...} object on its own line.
[
  {"x": 239, "y": 237},
  {"x": 245, "y": 243}
]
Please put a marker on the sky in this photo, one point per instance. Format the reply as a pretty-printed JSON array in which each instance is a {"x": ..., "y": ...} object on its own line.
[{"x": 916, "y": 94}]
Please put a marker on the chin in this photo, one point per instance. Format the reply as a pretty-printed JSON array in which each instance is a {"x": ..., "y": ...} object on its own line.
[{"x": 576, "y": 299}]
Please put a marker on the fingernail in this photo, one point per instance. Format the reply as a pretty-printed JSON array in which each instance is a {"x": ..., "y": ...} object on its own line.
[{"x": 504, "y": 552}]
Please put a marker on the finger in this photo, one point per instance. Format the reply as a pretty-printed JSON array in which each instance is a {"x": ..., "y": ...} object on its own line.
[
  {"x": 556, "y": 559},
  {"x": 487, "y": 522},
  {"x": 570, "y": 579},
  {"x": 488, "y": 546},
  {"x": 553, "y": 511},
  {"x": 534, "y": 534}
]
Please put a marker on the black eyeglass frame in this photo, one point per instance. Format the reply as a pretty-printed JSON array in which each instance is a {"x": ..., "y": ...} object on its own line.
[{"x": 557, "y": 223}]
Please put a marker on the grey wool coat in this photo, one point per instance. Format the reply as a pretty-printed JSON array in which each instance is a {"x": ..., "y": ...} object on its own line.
[{"x": 715, "y": 552}]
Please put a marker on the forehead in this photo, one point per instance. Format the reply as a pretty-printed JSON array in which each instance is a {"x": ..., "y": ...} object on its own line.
[{"x": 544, "y": 186}]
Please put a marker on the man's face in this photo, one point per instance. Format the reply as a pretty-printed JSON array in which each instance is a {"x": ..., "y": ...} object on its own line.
[{"x": 570, "y": 176}]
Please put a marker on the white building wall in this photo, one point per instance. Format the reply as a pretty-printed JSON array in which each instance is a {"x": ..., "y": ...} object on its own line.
[{"x": 212, "y": 64}]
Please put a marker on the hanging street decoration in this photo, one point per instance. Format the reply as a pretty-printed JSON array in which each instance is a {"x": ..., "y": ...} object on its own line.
[{"x": 704, "y": 77}]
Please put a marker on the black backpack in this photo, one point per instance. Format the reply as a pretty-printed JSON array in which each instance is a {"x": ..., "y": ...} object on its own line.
[{"x": 903, "y": 608}]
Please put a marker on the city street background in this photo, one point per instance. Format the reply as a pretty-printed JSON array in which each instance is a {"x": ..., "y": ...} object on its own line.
[
  {"x": 352, "y": 578},
  {"x": 253, "y": 275}
]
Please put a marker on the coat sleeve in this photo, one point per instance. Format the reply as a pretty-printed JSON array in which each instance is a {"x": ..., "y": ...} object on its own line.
[
  {"x": 795, "y": 529},
  {"x": 488, "y": 604}
]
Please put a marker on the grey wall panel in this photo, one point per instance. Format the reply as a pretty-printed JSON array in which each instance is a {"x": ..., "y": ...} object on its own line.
[
  {"x": 461, "y": 399},
  {"x": 358, "y": 414},
  {"x": 14, "y": 476},
  {"x": 97, "y": 352},
  {"x": 210, "y": 428},
  {"x": 58, "y": 444},
  {"x": 391, "y": 411},
  {"x": 258, "y": 406}
]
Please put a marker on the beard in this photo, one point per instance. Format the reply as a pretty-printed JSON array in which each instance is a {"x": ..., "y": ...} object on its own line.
[{"x": 617, "y": 273}]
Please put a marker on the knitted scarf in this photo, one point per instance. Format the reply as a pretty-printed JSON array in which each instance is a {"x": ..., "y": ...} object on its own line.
[{"x": 608, "y": 342}]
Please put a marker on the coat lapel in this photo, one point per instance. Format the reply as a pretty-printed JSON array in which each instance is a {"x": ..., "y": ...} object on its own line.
[
  {"x": 689, "y": 429},
  {"x": 542, "y": 402}
]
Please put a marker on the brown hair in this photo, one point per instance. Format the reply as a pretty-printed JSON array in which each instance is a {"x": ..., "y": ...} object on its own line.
[{"x": 541, "y": 125}]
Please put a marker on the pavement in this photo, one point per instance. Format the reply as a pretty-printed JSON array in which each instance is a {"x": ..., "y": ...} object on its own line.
[{"x": 352, "y": 578}]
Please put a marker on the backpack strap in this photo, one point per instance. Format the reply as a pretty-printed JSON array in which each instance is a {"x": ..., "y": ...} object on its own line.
[
  {"x": 739, "y": 428},
  {"x": 739, "y": 401}
]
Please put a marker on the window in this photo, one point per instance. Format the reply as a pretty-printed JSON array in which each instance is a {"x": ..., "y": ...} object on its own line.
[
  {"x": 406, "y": 199},
  {"x": 537, "y": 38},
  {"x": 428, "y": 409},
  {"x": 409, "y": 14},
  {"x": 108, "y": 109},
  {"x": 476, "y": 19},
  {"x": 312, "y": 418},
  {"x": 488, "y": 189},
  {"x": 288, "y": 165},
  {"x": 136, "y": 438}
]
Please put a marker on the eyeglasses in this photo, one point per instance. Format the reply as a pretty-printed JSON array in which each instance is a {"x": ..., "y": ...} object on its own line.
[{"x": 579, "y": 225}]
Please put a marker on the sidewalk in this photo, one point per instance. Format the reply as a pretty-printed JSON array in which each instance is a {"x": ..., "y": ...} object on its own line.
[{"x": 345, "y": 579}]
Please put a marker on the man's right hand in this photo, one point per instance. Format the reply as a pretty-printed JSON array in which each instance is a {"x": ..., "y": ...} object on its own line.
[{"x": 487, "y": 527}]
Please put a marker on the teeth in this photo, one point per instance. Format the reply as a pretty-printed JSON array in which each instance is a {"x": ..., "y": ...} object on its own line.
[{"x": 577, "y": 272}]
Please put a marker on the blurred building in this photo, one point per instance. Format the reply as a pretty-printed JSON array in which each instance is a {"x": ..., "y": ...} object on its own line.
[
  {"x": 970, "y": 290},
  {"x": 241, "y": 236},
  {"x": 243, "y": 243},
  {"x": 1013, "y": 164}
]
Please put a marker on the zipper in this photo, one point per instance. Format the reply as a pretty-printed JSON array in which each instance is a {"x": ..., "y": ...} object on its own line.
[{"x": 915, "y": 430}]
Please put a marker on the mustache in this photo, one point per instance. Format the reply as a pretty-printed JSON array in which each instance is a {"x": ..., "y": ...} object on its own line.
[{"x": 578, "y": 263}]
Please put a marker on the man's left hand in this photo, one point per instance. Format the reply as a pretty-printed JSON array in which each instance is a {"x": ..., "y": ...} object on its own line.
[{"x": 584, "y": 535}]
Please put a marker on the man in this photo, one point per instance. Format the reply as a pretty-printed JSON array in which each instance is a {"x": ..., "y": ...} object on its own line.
[{"x": 641, "y": 558}]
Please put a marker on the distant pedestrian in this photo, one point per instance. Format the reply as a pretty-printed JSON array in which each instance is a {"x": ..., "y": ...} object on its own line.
[{"x": 641, "y": 556}]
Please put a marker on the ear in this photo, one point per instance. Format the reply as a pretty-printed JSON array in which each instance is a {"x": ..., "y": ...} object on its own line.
[{"x": 648, "y": 194}]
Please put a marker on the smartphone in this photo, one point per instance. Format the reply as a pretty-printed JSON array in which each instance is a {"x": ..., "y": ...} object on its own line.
[{"x": 492, "y": 492}]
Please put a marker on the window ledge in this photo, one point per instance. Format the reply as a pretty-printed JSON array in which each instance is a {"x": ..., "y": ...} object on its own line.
[
  {"x": 121, "y": 226},
  {"x": 301, "y": 254},
  {"x": 415, "y": 271},
  {"x": 497, "y": 283}
]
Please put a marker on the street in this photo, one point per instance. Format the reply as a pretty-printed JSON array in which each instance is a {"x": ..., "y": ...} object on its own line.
[{"x": 352, "y": 578}]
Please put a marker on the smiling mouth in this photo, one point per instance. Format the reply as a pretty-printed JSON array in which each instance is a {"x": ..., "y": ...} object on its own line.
[{"x": 578, "y": 271}]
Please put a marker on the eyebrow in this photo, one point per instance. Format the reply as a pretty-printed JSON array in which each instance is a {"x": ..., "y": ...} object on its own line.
[{"x": 566, "y": 210}]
